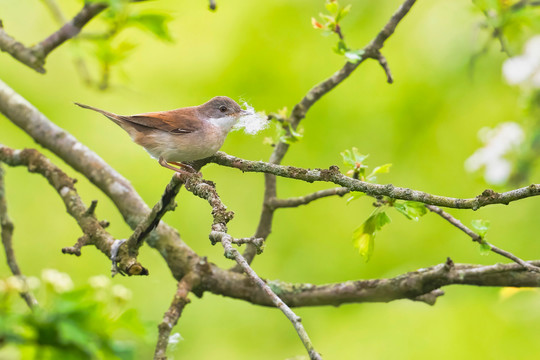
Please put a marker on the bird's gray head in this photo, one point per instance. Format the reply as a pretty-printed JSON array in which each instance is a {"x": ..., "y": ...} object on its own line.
[{"x": 219, "y": 107}]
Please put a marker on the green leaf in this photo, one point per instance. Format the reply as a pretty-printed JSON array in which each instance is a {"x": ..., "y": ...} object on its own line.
[
  {"x": 72, "y": 334},
  {"x": 332, "y": 6},
  {"x": 329, "y": 20},
  {"x": 344, "y": 11},
  {"x": 481, "y": 227},
  {"x": 109, "y": 55},
  {"x": 154, "y": 23},
  {"x": 365, "y": 243},
  {"x": 485, "y": 249},
  {"x": 383, "y": 169},
  {"x": 290, "y": 136},
  {"x": 364, "y": 235},
  {"x": 382, "y": 219},
  {"x": 355, "y": 195},
  {"x": 341, "y": 48},
  {"x": 353, "y": 158},
  {"x": 411, "y": 209}
]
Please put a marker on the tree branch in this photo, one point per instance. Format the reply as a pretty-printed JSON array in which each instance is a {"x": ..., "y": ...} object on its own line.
[
  {"x": 412, "y": 285},
  {"x": 152, "y": 219},
  {"x": 34, "y": 57},
  {"x": 64, "y": 186},
  {"x": 20, "y": 52},
  {"x": 221, "y": 216},
  {"x": 488, "y": 197},
  {"x": 171, "y": 316},
  {"x": 371, "y": 50},
  {"x": 304, "y": 200},
  {"x": 6, "y": 232},
  {"x": 300, "y": 110},
  {"x": 179, "y": 257},
  {"x": 69, "y": 30},
  {"x": 477, "y": 238}
]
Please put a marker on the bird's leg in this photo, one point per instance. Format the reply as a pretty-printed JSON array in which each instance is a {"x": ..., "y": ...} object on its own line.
[
  {"x": 165, "y": 164},
  {"x": 185, "y": 166},
  {"x": 190, "y": 170}
]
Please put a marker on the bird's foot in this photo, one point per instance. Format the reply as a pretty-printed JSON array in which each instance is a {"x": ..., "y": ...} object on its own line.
[{"x": 182, "y": 168}]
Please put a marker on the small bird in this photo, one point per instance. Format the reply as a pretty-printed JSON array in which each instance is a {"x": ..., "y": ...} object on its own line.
[{"x": 181, "y": 135}]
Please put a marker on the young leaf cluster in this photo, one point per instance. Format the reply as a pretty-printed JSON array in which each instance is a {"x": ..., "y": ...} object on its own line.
[
  {"x": 510, "y": 22},
  {"x": 355, "y": 161},
  {"x": 284, "y": 131},
  {"x": 481, "y": 227},
  {"x": 330, "y": 23},
  {"x": 364, "y": 235}
]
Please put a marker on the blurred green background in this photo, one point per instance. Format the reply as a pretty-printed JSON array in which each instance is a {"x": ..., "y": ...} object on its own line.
[{"x": 268, "y": 54}]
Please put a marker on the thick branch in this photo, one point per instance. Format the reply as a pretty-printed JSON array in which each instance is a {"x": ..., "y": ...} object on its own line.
[
  {"x": 165, "y": 239},
  {"x": 6, "y": 233},
  {"x": 20, "y": 52},
  {"x": 411, "y": 285},
  {"x": 64, "y": 186},
  {"x": 488, "y": 197}
]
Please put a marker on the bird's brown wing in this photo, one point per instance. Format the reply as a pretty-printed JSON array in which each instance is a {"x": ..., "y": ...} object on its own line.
[{"x": 180, "y": 121}]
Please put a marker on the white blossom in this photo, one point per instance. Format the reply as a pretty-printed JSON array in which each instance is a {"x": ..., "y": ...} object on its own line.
[
  {"x": 60, "y": 282},
  {"x": 32, "y": 282},
  {"x": 99, "y": 281},
  {"x": 524, "y": 69},
  {"x": 121, "y": 293},
  {"x": 498, "y": 142},
  {"x": 15, "y": 283}
]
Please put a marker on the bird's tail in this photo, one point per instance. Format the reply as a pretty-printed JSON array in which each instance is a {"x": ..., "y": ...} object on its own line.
[{"x": 110, "y": 115}]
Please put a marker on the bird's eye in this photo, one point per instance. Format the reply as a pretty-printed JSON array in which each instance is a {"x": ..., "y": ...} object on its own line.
[{"x": 222, "y": 108}]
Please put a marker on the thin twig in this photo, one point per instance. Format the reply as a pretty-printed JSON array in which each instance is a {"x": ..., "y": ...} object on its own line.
[
  {"x": 477, "y": 238},
  {"x": 221, "y": 217},
  {"x": 7, "y": 236},
  {"x": 384, "y": 64},
  {"x": 232, "y": 253},
  {"x": 55, "y": 11},
  {"x": 171, "y": 316},
  {"x": 304, "y": 200},
  {"x": 333, "y": 175},
  {"x": 152, "y": 219},
  {"x": 76, "y": 248},
  {"x": 78, "y": 59}
]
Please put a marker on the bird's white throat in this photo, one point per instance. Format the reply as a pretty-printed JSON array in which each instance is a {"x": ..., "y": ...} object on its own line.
[{"x": 225, "y": 122}]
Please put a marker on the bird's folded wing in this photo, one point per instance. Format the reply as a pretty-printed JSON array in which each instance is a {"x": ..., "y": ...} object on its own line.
[{"x": 181, "y": 121}]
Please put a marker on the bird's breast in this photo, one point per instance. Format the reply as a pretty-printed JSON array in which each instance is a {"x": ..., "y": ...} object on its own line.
[{"x": 182, "y": 147}]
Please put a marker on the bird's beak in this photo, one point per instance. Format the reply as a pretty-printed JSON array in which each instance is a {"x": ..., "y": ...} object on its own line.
[{"x": 244, "y": 113}]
